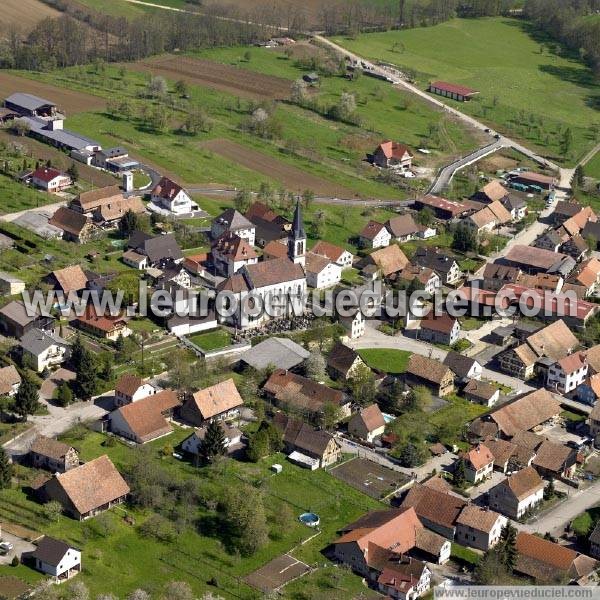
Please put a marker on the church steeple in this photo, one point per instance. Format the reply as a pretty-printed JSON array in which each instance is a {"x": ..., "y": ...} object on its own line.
[{"x": 297, "y": 238}]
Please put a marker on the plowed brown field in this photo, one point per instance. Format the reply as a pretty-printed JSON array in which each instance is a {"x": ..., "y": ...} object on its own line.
[
  {"x": 292, "y": 178},
  {"x": 25, "y": 14},
  {"x": 67, "y": 101},
  {"x": 225, "y": 78}
]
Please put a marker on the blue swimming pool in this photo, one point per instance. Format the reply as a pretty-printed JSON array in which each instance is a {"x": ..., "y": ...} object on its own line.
[{"x": 310, "y": 519}]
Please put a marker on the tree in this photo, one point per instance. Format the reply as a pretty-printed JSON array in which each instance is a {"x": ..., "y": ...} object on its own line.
[
  {"x": 6, "y": 469},
  {"x": 332, "y": 413},
  {"x": 73, "y": 172},
  {"x": 129, "y": 223},
  {"x": 425, "y": 216},
  {"x": 244, "y": 520},
  {"x": 64, "y": 396},
  {"x": 26, "y": 398},
  {"x": 196, "y": 121},
  {"x": 411, "y": 455},
  {"x": 157, "y": 86},
  {"x": 579, "y": 177},
  {"x": 419, "y": 398},
  {"x": 490, "y": 570},
  {"x": 308, "y": 197},
  {"x": 77, "y": 351},
  {"x": 86, "y": 376},
  {"x": 181, "y": 87},
  {"x": 316, "y": 366},
  {"x": 460, "y": 473},
  {"x": 139, "y": 594},
  {"x": 258, "y": 446},
  {"x": 549, "y": 490},
  {"x": 508, "y": 548},
  {"x": 52, "y": 510},
  {"x": 464, "y": 239},
  {"x": 299, "y": 92},
  {"x": 566, "y": 142},
  {"x": 346, "y": 105},
  {"x": 21, "y": 127},
  {"x": 362, "y": 385},
  {"x": 214, "y": 441},
  {"x": 242, "y": 200},
  {"x": 179, "y": 590},
  {"x": 78, "y": 591}
]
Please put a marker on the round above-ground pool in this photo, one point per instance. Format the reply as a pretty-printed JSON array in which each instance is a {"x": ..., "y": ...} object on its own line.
[{"x": 310, "y": 519}]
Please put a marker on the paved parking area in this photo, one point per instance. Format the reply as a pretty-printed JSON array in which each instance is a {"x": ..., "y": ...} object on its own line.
[
  {"x": 478, "y": 491},
  {"x": 19, "y": 546}
]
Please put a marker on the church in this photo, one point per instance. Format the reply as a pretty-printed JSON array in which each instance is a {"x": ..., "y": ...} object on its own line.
[{"x": 279, "y": 283}]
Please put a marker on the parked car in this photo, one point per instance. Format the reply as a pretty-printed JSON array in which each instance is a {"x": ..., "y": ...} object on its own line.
[{"x": 5, "y": 547}]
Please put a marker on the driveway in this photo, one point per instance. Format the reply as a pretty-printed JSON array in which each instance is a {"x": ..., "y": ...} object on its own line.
[{"x": 19, "y": 546}]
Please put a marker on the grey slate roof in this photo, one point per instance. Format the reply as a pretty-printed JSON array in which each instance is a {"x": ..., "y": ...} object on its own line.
[
  {"x": 28, "y": 101},
  {"x": 157, "y": 248},
  {"x": 65, "y": 137},
  {"x": 15, "y": 312},
  {"x": 37, "y": 341},
  {"x": 458, "y": 363},
  {"x": 280, "y": 352},
  {"x": 50, "y": 551},
  {"x": 234, "y": 220}
]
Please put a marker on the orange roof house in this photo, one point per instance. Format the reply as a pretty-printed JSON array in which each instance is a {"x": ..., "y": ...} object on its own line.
[{"x": 218, "y": 402}]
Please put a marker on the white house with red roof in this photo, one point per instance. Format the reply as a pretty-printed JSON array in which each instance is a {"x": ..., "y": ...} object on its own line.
[
  {"x": 568, "y": 373},
  {"x": 393, "y": 155},
  {"x": 479, "y": 463},
  {"x": 50, "y": 180},
  {"x": 375, "y": 235},
  {"x": 171, "y": 196},
  {"x": 337, "y": 254},
  {"x": 230, "y": 253}
]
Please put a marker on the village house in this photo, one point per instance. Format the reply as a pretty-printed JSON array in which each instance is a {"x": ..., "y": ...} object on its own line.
[
  {"x": 282, "y": 352},
  {"x": 135, "y": 260},
  {"x": 479, "y": 527},
  {"x": 464, "y": 367},
  {"x": 217, "y": 402},
  {"x": 87, "y": 490},
  {"x": 269, "y": 226},
  {"x": 161, "y": 250},
  {"x": 404, "y": 228},
  {"x": 72, "y": 279},
  {"x": 10, "y": 285},
  {"x": 308, "y": 447},
  {"x": 31, "y": 106},
  {"x": 553, "y": 460},
  {"x": 430, "y": 373},
  {"x": 460, "y": 93},
  {"x": 232, "y": 438},
  {"x": 479, "y": 463},
  {"x": 354, "y": 324},
  {"x": 170, "y": 196},
  {"x": 516, "y": 206},
  {"x": 555, "y": 342},
  {"x": 525, "y": 413},
  {"x": 421, "y": 277},
  {"x": 587, "y": 275},
  {"x": 131, "y": 388},
  {"x": 437, "y": 509},
  {"x": 568, "y": 373},
  {"x": 404, "y": 577},
  {"x": 89, "y": 202},
  {"x": 376, "y": 534},
  {"x": 542, "y": 282},
  {"x": 546, "y": 562},
  {"x": 298, "y": 393},
  {"x": 538, "y": 260},
  {"x": 10, "y": 380},
  {"x": 54, "y": 558},
  {"x": 489, "y": 218},
  {"x": 442, "y": 208},
  {"x": 481, "y": 392},
  {"x": 367, "y": 424},
  {"x": 107, "y": 327},
  {"x": 393, "y": 155},
  {"x": 493, "y": 191},
  {"x": 445, "y": 266},
  {"x": 534, "y": 181},
  {"x": 146, "y": 419},
  {"x": 439, "y": 329},
  {"x": 510, "y": 456},
  {"x": 321, "y": 272},
  {"x": 550, "y": 240},
  {"x": 564, "y": 210},
  {"x": 230, "y": 253},
  {"x": 76, "y": 227},
  {"x": 343, "y": 361},
  {"x": 589, "y": 391},
  {"x": 43, "y": 349},
  {"x": 16, "y": 322},
  {"x": 340, "y": 256},
  {"x": 594, "y": 420},
  {"x": 517, "y": 494},
  {"x": 52, "y": 455},
  {"x": 233, "y": 221},
  {"x": 385, "y": 262},
  {"x": 496, "y": 276},
  {"x": 50, "y": 180},
  {"x": 114, "y": 160},
  {"x": 374, "y": 235},
  {"x": 110, "y": 214}
]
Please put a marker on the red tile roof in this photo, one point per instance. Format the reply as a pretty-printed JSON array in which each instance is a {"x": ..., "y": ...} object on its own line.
[
  {"x": 46, "y": 174},
  {"x": 453, "y": 88}
]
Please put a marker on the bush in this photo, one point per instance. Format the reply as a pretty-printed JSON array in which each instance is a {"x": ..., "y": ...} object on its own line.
[{"x": 15, "y": 561}]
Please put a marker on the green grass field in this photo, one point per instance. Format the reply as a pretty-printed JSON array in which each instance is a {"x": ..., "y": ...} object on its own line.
[
  {"x": 211, "y": 340},
  {"x": 384, "y": 359},
  {"x": 118, "y": 559},
  {"x": 592, "y": 169},
  {"x": 526, "y": 90}
]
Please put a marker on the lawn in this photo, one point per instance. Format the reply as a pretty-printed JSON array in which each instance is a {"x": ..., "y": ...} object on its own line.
[
  {"x": 526, "y": 90},
  {"x": 197, "y": 555},
  {"x": 451, "y": 419},
  {"x": 16, "y": 196},
  {"x": 211, "y": 340},
  {"x": 584, "y": 523},
  {"x": 387, "y": 360}
]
